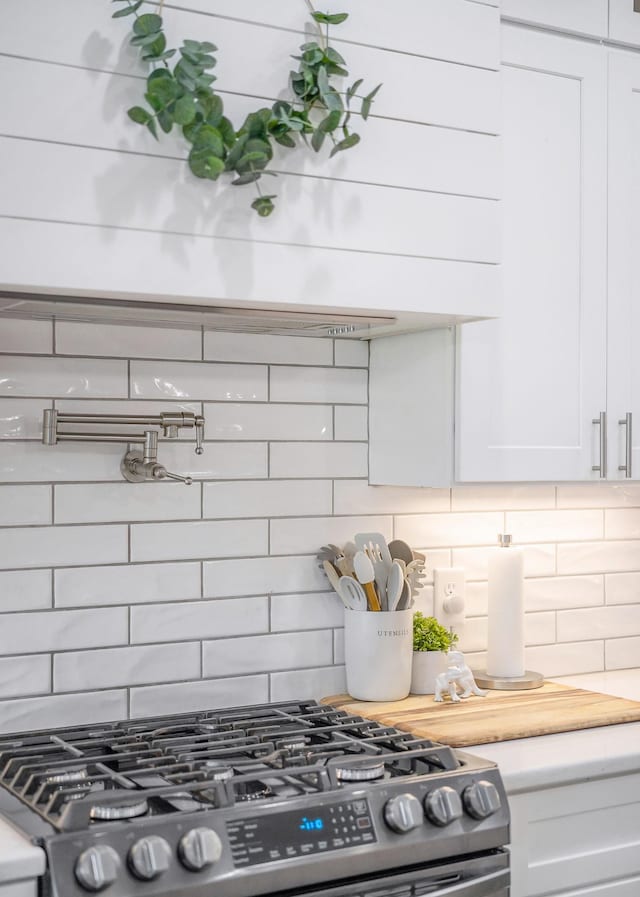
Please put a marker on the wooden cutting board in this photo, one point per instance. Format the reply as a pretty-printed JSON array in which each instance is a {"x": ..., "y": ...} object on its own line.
[{"x": 500, "y": 716}]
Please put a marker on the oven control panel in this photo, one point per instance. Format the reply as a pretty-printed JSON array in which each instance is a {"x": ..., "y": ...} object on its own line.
[{"x": 282, "y": 836}]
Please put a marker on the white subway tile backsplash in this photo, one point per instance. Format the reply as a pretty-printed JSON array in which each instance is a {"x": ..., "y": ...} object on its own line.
[
  {"x": 359, "y": 497},
  {"x": 47, "y": 546},
  {"x": 352, "y": 353},
  {"x": 622, "y": 523},
  {"x": 127, "y": 341},
  {"x": 264, "y": 653},
  {"x": 198, "y": 695},
  {"x": 268, "y": 422},
  {"x": 439, "y": 530},
  {"x": 197, "y": 620},
  {"x": 207, "y": 382},
  {"x": 598, "y": 622},
  {"x": 125, "y": 584},
  {"x": 297, "y": 384},
  {"x": 62, "y": 377},
  {"x": 22, "y": 418},
  {"x": 31, "y": 337},
  {"x": 539, "y": 560},
  {"x": 598, "y": 557},
  {"x": 562, "y": 592},
  {"x": 565, "y": 659},
  {"x": 201, "y": 539},
  {"x": 25, "y": 590},
  {"x": 305, "y": 684},
  {"x": 115, "y": 667},
  {"x": 552, "y": 526},
  {"x": 268, "y": 498},
  {"x": 323, "y": 610},
  {"x": 286, "y": 448},
  {"x": 260, "y": 348},
  {"x": 351, "y": 422},
  {"x": 259, "y": 576},
  {"x": 501, "y": 497},
  {"x": 62, "y": 630},
  {"x": 319, "y": 459},
  {"x": 126, "y": 502},
  {"x": 622, "y": 588},
  {"x": 597, "y": 495},
  {"x": 622, "y": 653},
  {"x": 219, "y": 461},
  {"x": 25, "y": 505},
  {"x": 25, "y": 675},
  {"x": 306, "y": 535},
  {"x": 54, "y": 711}
]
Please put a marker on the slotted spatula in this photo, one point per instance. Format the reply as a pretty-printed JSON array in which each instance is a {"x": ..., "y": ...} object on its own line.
[{"x": 375, "y": 547}]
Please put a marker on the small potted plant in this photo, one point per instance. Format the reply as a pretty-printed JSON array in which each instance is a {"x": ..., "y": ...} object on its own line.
[{"x": 431, "y": 641}]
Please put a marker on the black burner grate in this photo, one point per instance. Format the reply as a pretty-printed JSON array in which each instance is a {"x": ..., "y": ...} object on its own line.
[{"x": 98, "y": 774}]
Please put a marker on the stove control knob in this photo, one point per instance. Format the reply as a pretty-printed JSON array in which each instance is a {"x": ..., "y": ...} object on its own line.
[
  {"x": 403, "y": 813},
  {"x": 481, "y": 799},
  {"x": 97, "y": 867},
  {"x": 149, "y": 857},
  {"x": 443, "y": 805},
  {"x": 199, "y": 848}
]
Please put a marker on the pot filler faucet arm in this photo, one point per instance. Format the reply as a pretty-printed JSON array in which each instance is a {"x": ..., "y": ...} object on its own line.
[{"x": 136, "y": 466}]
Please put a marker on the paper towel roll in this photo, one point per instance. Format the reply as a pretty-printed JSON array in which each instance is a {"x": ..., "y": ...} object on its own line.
[{"x": 505, "y": 637}]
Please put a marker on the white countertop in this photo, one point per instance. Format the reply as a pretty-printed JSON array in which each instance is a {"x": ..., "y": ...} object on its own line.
[
  {"x": 527, "y": 764},
  {"x": 19, "y": 859}
]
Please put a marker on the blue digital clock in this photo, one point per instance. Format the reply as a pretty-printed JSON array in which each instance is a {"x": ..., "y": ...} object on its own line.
[{"x": 311, "y": 825}]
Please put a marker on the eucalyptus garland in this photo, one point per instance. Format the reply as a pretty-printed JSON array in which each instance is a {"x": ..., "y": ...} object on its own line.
[{"x": 182, "y": 94}]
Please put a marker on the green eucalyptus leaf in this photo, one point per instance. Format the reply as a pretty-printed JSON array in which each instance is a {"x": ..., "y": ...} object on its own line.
[
  {"x": 210, "y": 138},
  {"x": 147, "y": 24},
  {"x": 351, "y": 91},
  {"x": 236, "y": 151},
  {"x": 165, "y": 120},
  {"x": 206, "y": 47},
  {"x": 345, "y": 144},
  {"x": 285, "y": 140},
  {"x": 318, "y": 139},
  {"x": 258, "y": 145},
  {"x": 333, "y": 101},
  {"x": 157, "y": 48},
  {"x": 337, "y": 70},
  {"x": 247, "y": 178},
  {"x": 139, "y": 115},
  {"x": 191, "y": 131},
  {"x": 151, "y": 125},
  {"x": 263, "y": 205},
  {"x": 367, "y": 101},
  {"x": 205, "y": 165},
  {"x": 155, "y": 57},
  {"x": 184, "y": 110},
  {"x": 325, "y": 19},
  {"x": 188, "y": 69},
  {"x": 330, "y": 123},
  {"x": 128, "y": 10},
  {"x": 227, "y": 130},
  {"x": 251, "y": 161},
  {"x": 205, "y": 81},
  {"x": 144, "y": 40},
  {"x": 163, "y": 89},
  {"x": 333, "y": 56}
]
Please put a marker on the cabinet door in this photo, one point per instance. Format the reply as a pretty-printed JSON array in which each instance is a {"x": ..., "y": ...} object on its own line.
[
  {"x": 623, "y": 384},
  {"x": 530, "y": 384},
  {"x": 579, "y": 16}
]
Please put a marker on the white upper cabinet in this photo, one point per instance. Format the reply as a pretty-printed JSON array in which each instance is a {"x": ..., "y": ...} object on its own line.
[
  {"x": 624, "y": 23},
  {"x": 624, "y": 264},
  {"x": 406, "y": 224},
  {"x": 531, "y": 383},
  {"x": 578, "y": 16}
]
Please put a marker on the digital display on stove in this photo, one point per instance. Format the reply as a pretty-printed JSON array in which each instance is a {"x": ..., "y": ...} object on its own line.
[{"x": 280, "y": 836}]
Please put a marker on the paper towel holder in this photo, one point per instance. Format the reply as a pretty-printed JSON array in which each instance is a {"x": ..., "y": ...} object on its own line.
[{"x": 530, "y": 679}]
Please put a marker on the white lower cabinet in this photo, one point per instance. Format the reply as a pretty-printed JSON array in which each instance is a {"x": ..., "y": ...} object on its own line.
[{"x": 578, "y": 840}]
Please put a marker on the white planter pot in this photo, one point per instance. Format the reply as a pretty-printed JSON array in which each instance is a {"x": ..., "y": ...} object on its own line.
[
  {"x": 425, "y": 667},
  {"x": 377, "y": 649}
]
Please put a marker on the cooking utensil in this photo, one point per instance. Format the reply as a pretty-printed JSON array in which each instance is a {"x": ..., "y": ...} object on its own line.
[
  {"x": 415, "y": 574},
  {"x": 395, "y": 585},
  {"x": 401, "y": 551},
  {"x": 375, "y": 547},
  {"x": 352, "y": 594},
  {"x": 333, "y": 574},
  {"x": 365, "y": 572},
  {"x": 404, "y": 601}
]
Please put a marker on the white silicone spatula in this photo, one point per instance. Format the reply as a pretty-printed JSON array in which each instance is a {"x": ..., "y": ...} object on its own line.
[{"x": 364, "y": 572}]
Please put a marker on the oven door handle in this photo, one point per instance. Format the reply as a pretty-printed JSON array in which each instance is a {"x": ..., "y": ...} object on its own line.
[{"x": 492, "y": 885}]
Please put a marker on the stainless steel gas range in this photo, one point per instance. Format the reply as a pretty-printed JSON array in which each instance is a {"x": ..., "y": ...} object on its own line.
[{"x": 288, "y": 799}]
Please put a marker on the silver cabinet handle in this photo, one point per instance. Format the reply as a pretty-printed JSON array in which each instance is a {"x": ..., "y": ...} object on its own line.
[
  {"x": 602, "y": 423},
  {"x": 626, "y": 422}
]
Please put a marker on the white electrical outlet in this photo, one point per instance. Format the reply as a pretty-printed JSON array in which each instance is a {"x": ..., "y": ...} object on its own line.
[{"x": 448, "y": 596}]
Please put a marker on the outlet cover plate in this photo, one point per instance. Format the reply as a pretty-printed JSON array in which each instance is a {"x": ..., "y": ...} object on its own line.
[{"x": 449, "y": 585}]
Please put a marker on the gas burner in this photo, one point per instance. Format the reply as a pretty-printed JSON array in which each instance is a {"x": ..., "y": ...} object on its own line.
[
  {"x": 253, "y": 790},
  {"x": 128, "y": 810},
  {"x": 293, "y": 744},
  {"x": 360, "y": 770},
  {"x": 218, "y": 771},
  {"x": 70, "y": 776}
]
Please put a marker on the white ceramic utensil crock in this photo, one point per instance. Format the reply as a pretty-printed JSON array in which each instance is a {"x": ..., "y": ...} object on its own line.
[{"x": 378, "y": 648}]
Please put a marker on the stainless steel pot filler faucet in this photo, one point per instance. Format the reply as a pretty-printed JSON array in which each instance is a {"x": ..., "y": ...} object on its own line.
[{"x": 136, "y": 466}]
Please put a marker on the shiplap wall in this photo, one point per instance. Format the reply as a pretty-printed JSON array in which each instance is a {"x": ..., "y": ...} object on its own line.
[
  {"x": 118, "y": 598},
  {"x": 407, "y": 220}
]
